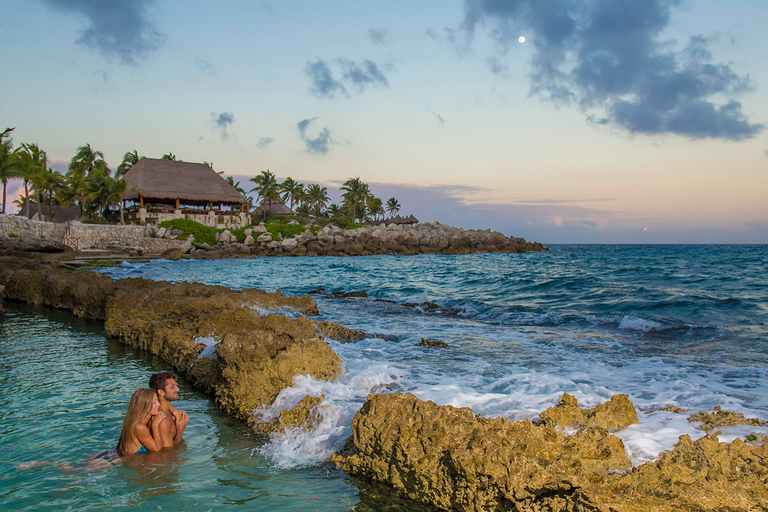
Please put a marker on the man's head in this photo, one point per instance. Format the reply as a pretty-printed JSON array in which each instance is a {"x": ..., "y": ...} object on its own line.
[{"x": 164, "y": 384}]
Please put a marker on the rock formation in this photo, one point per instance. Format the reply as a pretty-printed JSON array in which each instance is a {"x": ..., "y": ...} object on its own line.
[
  {"x": 453, "y": 460},
  {"x": 721, "y": 418},
  {"x": 616, "y": 414},
  {"x": 383, "y": 239}
]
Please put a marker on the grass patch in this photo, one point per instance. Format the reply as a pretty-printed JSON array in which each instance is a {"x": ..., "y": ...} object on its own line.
[{"x": 202, "y": 234}]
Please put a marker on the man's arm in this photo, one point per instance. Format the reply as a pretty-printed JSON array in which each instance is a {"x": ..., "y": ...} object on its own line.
[
  {"x": 165, "y": 432},
  {"x": 182, "y": 419}
]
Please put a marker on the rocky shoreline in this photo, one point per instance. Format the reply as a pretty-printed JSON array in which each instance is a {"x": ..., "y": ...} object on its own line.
[
  {"x": 328, "y": 240},
  {"x": 242, "y": 347},
  {"x": 433, "y": 238}
]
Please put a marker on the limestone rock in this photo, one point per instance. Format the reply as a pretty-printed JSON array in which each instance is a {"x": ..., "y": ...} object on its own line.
[
  {"x": 433, "y": 343},
  {"x": 172, "y": 254},
  {"x": 249, "y": 241},
  {"x": 264, "y": 238},
  {"x": 454, "y": 460},
  {"x": 616, "y": 414},
  {"x": 721, "y": 418},
  {"x": 28, "y": 244}
]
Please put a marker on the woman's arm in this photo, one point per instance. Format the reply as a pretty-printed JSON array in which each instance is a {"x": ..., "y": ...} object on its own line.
[{"x": 150, "y": 436}]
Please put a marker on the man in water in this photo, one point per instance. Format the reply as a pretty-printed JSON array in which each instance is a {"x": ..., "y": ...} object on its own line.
[{"x": 171, "y": 432}]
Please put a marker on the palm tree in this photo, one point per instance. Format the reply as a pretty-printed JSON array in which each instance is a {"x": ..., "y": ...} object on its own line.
[
  {"x": 8, "y": 161},
  {"x": 242, "y": 191},
  {"x": 291, "y": 189},
  {"x": 333, "y": 210},
  {"x": 85, "y": 160},
  {"x": 114, "y": 196},
  {"x": 96, "y": 190},
  {"x": 375, "y": 207},
  {"x": 392, "y": 206},
  {"x": 172, "y": 157},
  {"x": 129, "y": 160},
  {"x": 355, "y": 196},
  {"x": 317, "y": 198},
  {"x": 266, "y": 188},
  {"x": 33, "y": 163}
]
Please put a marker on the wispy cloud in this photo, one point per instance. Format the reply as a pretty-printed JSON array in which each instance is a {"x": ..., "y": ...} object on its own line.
[
  {"x": 264, "y": 142},
  {"x": 379, "y": 35},
  {"x": 204, "y": 66},
  {"x": 563, "y": 201},
  {"x": 222, "y": 122},
  {"x": 324, "y": 83},
  {"x": 117, "y": 29},
  {"x": 316, "y": 145},
  {"x": 608, "y": 57}
]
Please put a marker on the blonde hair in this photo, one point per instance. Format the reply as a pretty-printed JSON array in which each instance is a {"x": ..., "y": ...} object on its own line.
[{"x": 138, "y": 408}]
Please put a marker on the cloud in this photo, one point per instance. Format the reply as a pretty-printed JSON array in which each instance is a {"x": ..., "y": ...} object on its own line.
[
  {"x": 608, "y": 56},
  {"x": 222, "y": 122},
  {"x": 117, "y": 29},
  {"x": 364, "y": 74},
  {"x": 323, "y": 83},
  {"x": 320, "y": 143},
  {"x": 360, "y": 76},
  {"x": 496, "y": 66},
  {"x": 204, "y": 66},
  {"x": 264, "y": 142},
  {"x": 439, "y": 118},
  {"x": 563, "y": 201},
  {"x": 379, "y": 35}
]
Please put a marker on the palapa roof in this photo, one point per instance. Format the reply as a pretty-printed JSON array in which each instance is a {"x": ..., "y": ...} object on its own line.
[
  {"x": 153, "y": 178},
  {"x": 276, "y": 207}
]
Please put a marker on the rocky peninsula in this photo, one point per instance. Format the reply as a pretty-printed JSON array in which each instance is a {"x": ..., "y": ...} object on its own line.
[
  {"x": 312, "y": 240},
  {"x": 242, "y": 347}
]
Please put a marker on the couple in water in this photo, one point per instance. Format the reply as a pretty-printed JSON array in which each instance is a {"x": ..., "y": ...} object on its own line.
[{"x": 151, "y": 424}]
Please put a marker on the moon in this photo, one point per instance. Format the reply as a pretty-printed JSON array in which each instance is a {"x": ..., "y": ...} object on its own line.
[{"x": 521, "y": 39}]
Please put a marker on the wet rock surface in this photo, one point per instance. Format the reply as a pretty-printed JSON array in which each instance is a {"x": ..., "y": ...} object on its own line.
[
  {"x": 454, "y": 460},
  {"x": 721, "y": 418},
  {"x": 616, "y": 414}
]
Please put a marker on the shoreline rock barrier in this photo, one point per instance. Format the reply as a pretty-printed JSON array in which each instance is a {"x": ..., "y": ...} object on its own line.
[{"x": 424, "y": 238}]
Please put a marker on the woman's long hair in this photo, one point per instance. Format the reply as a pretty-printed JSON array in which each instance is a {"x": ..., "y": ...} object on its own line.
[{"x": 139, "y": 407}]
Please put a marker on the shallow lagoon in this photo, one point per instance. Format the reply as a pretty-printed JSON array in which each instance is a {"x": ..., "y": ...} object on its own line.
[{"x": 64, "y": 388}]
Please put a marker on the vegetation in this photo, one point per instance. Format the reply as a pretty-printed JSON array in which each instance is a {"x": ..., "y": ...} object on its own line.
[
  {"x": 97, "y": 192},
  {"x": 202, "y": 234}
]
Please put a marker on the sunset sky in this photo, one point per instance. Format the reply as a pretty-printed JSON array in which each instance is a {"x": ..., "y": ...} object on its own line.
[{"x": 561, "y": 121}]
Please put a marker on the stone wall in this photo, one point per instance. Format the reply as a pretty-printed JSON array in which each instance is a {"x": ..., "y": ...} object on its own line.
[{"x": 81, "y": 236}]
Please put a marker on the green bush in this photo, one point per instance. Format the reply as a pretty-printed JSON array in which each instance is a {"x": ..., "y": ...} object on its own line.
[
  {"x": 275, "y": 227},
  {"x": 202, "y": 234}
]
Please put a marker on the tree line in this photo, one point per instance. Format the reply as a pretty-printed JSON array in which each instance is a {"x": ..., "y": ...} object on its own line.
[
  {"x": 90, "y": 185},
  {"x": 358, "y": 202}
]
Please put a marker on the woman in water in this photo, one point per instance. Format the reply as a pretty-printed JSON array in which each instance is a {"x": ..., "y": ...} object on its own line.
[{"x": 140, "y": 434}]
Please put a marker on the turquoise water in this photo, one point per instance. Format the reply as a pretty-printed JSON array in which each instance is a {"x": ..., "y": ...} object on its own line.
[{"x": 64, "y": 388}]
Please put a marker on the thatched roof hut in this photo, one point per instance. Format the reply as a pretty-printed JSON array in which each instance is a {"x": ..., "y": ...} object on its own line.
[
  {"x": 275, "y": 207},
  {"x": 397, "y": 220},
  {"x": 168, "y": 182}
]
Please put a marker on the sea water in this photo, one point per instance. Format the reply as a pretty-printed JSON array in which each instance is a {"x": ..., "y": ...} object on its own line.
[
  {"x": 679, "y": 326},
  {"x": 64, "y": 389}
]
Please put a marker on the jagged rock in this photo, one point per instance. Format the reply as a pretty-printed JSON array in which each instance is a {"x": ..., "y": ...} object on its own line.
[
  {"x": 27, "y": 244},
  {"x": 264, "y": 238},
  {"x": 249, "y": 241},
  {"x": 454, "y": 460},
  {"x": 186, "y": 246},
  {"x": 450, "y": 459},
  {"x": 172, "y": 254},
  {"x": 721, "y": 418},
  {"x": 616, "y": 414},
  {"x": 260, "y": 229},
  {"x": 160, "y": 233},
  {"x": 433, "y": 343},
  {"x": 83, "y": 292},
  {"x": 289, "y": 244},
  {"x": 340, "y": 332},
  {"x": 202, "y": 245}
]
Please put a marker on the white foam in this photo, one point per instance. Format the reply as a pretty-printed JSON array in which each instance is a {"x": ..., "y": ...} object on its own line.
[
  {"x": 210, "y": 345},
  {"x": 632, "y": 323}
]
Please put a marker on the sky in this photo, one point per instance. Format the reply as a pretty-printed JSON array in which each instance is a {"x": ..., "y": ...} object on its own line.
[{"x": 560, "y": 121}]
